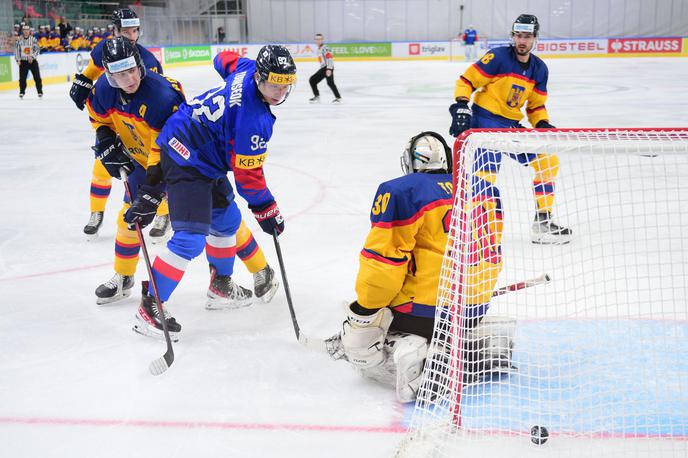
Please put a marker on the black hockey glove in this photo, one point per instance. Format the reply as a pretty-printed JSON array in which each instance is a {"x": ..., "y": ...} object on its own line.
[
  {"x": 269, "y": 217},
  {"x": 461, "y": 118},
  {"x": 143, "y": 208},
  {"x": 110, "y": 152},
  {"x": 80, "y": 89},
  {"x": 544, "y": 124}
]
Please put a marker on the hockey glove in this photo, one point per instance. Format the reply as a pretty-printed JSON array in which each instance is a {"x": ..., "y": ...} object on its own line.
[
  {"x": 461, "y": 118},
  {"x": 80, "y": 89},
  {"x": 143, "y": 208},
  {"x": 110, "y": 152},
  {"x": 269, "y": 217},
  {"x": 544, "y": 124}
]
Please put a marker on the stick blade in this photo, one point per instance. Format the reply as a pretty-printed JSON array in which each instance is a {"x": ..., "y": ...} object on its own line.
[{"x": 159, "y": 366}]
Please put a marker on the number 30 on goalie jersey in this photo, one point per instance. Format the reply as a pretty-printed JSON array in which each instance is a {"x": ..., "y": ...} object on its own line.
[{"x": 402, "y": 256}]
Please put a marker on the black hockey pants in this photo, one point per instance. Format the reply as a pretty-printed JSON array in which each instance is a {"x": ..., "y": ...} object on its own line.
[{"x": 318, "y": 77}]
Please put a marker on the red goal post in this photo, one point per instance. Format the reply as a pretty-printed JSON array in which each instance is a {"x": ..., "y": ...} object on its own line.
[{"x": 618, "y": 295}]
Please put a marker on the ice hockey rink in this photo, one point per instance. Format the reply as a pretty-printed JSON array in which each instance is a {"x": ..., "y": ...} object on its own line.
[{"x": 74, "y": 378}]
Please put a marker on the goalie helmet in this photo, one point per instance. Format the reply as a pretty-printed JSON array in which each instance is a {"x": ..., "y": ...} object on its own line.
[
  {"x": 426, "y": 152},
  {"x": 125, "y": 17},
  {"x": 526, "y": 23},
  {"x": 119, "y": 54}
]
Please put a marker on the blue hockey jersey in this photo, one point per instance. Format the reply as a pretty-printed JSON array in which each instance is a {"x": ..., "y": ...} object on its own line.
[{"x": 225, "y": 129}]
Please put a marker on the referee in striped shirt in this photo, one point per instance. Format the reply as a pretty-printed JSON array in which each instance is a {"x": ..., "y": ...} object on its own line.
[{"x": 26, "y": 52}]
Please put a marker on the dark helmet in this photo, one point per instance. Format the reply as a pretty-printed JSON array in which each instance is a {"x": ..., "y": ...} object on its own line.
[
  {"x": 275, "y": 65},
  {"x": 120, "y": 54},
  {"x": 125, "y": 17},
  {"x": 426, "y": 152},
  {"x": 526, "y": 23}
]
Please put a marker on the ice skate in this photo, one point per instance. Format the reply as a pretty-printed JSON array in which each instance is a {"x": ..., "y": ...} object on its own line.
[
  {"x": 314, "y": 99},
  {"x": 265, "y": 284},
  {"x": 93, "y": 225},
  {"x": 224, "y": 293},
  {"x": 148, "y": 322},
  {"x": 115, "y": 289},
  {"x": 337, "y": 100},
  {"x": 21, "y": 95},
  {"x": 547, "y": 232},
  {"x": 160, "y": 229}
]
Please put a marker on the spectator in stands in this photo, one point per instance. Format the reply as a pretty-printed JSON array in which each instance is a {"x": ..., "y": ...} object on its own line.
[
  {"x": 221, "y": 35},
  {"x": 65, "y": 28}
]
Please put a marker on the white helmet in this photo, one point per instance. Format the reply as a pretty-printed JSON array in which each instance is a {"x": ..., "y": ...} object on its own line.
[{"x": 426, "y": 152}]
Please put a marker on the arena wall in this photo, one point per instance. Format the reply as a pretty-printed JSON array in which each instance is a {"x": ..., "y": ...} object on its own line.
[{"x": 61, "y": 67}]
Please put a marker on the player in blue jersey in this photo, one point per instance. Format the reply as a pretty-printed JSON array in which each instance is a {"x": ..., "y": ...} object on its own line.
[
  {"x": 127, "y": 107},
  {"x": 387, "y": 329},
  {"x": 226, "y": 129},
  {"x": 504, "y": 80},
  {"x": 469, "y": 38}
]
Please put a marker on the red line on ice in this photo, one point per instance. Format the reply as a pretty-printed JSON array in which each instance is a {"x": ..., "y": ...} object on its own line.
[
  {"x": 57, "y": 272},
  {"x": 396, "y": 428}
]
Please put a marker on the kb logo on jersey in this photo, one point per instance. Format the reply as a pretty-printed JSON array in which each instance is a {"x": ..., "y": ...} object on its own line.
[{"x": 514, "y": 97}]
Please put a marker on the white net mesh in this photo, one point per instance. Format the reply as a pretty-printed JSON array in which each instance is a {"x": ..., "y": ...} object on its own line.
[{"x": 599, "y": 355}]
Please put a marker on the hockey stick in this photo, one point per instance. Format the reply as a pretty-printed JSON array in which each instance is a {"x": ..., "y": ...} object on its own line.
[
  {"x": 314, "y": 344},
  {"x": 541, "y": 280},
  {"x": 159, "y": 365}
]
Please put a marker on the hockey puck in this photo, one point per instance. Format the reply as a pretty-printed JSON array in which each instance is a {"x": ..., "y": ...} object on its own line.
[{"x": 538, "y": 435}]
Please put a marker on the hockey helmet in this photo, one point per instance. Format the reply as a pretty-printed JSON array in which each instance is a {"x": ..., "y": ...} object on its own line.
[
  {"x": 119, "y": 54},
  {"x": 526, "y": 23},
  {"x": 274, "y": 65},
  {"x": 426, "y": 152},
  {"x": 125, "y": 17}
]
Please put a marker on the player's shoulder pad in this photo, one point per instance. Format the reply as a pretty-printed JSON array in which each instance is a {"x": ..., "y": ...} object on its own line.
[
  {"x": 97, "y": 54},
  {"x": 539, "y": 66},
  {"x": 162, "y": 96},
  {"x": 103, "y": 96},
  {"x": 148, "y": 58},
  {"x": 404, "y": 199}
]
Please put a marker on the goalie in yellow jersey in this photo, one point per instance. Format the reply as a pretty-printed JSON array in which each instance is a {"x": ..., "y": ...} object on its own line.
[{"x": 387, "y": 329}]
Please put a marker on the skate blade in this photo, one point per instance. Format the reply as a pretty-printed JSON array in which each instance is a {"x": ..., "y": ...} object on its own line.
[
  {"x": 91, "y": 237},
  {"x": 550, "y": 239},
  {"x": 145, "y": 330},
  {"x": 218, "y": 303},
  {"x": 108, "y": 300},
  {"x": 267, "y": 297}
]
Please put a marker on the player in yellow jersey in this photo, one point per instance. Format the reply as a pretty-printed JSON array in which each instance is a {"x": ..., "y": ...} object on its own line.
[
  {"x": 127, "y": 24},
  {"x": 387, "y": 329},
  {"x": 505, "y": 80}
]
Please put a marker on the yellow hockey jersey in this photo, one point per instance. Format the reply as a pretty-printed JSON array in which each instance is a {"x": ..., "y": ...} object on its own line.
[
  {"x": 401, "y": 260},
  {"x": 504, "y": 86}
]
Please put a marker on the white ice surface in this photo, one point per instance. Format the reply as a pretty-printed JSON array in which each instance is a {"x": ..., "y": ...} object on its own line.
[{"x": 73, "y": 376}]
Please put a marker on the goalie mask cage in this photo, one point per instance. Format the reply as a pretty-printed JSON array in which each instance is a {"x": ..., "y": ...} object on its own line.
[{"x": 599, "y": 354}]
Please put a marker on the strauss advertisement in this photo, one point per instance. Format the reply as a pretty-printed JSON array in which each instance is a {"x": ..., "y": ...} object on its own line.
[{"x": 645, "y": 45}]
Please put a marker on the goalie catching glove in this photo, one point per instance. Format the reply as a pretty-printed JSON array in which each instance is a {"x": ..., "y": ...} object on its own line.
[
  {"x": 142, "y": 210},
  {"x": 269, "y": 217},
  {"x": 110, "y": 152},
  {"x": 363, "y": 336}
]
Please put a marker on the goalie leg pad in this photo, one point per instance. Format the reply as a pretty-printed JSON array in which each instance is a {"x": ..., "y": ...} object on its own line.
[
  {"x": 402, "y": 368},
  {"x": 363, "y": 337},
  {"x": 489, "y": 347}
]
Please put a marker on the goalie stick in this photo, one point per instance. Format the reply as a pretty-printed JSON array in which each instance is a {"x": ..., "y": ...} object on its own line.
[
  {"x": 159, "y": 365},
  {"x": 332, "y": 346}
]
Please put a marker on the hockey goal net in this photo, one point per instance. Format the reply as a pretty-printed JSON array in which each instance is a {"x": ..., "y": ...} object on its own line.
[{"x": 599, "y": 354}]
